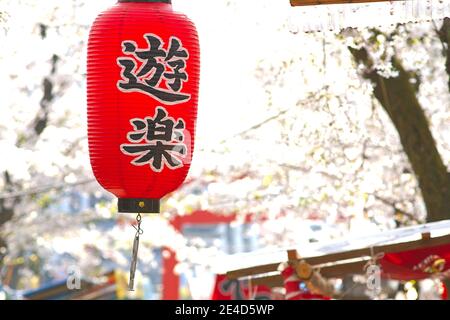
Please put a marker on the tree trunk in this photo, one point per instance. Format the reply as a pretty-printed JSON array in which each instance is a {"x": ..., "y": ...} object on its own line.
[
  {"x": 444, "y": 35},
  {"x": 398, "y": 97}
]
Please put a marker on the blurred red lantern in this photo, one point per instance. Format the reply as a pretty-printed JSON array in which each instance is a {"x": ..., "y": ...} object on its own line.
[{"x": 142, "y": 90}]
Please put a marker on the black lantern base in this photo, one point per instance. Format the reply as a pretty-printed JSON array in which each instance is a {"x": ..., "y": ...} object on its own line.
[{"x": 138, "y": 205}]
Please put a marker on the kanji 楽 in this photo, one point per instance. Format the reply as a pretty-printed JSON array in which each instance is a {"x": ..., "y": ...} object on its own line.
[
  {"x": 146, "y": 70},
  {"x": 156, "y": 141}
]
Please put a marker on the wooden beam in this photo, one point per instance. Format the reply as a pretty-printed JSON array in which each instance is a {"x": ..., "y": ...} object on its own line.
[
  {"x": 334, "y": 271},
  {"x": 426, "y": 236},
  {"x": 292, "y": 255},
  {"x": 239, "y": 273},
  {"x": 269, "y": 281},
  {"x": 298, "y": 3},
  {"x": 342, "y": 269},
  {"x": 358, "y": 253}
]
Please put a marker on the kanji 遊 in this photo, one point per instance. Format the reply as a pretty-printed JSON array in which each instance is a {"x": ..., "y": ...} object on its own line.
[{"x": 146, "y": 70}]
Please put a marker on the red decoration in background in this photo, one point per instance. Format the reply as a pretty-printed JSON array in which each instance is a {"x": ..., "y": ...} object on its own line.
[
  {"x": 142, "y": 89},
  {"x": 417, "y": 264},
  {"x": 444, "y": 295}
]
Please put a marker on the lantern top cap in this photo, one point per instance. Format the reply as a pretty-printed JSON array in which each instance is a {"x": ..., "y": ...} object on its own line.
[{"x": 150, "y": 1}]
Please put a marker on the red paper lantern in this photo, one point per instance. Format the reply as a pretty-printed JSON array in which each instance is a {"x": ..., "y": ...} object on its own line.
[{"x": 142, "y": 92}]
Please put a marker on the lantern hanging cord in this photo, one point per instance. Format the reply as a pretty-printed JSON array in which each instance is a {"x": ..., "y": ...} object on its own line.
[
  {"x": 139, "y": 231},
  {"x": 134, "y": 256}
]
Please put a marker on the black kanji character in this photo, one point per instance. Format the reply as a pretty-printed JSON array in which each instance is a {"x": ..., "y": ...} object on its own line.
[
  {"x": 178, "y": 75},
  {"x": 163, "y": 139},
  {"x": 149, "y": 58},
  {"x": 155, "y": 60}
]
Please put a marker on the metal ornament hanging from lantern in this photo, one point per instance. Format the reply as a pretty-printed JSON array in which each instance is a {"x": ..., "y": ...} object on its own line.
[{"x": 142, "y": 92}]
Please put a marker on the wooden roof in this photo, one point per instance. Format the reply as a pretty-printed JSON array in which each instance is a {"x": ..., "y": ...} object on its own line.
[
  {"x": 343, "y": 262},
  {"x": 297, "y": 3}
]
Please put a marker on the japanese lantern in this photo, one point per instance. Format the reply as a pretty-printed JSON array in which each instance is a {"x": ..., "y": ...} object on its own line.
[{"x": 142, "y": 92}]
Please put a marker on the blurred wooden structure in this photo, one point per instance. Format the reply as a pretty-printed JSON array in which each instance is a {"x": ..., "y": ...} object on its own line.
[
  {"x": 335, "y": 15},
  {"x": 315, "y": 282},
  {"x": 297, "y": 3},
  {"x": 340, "y": 262}
]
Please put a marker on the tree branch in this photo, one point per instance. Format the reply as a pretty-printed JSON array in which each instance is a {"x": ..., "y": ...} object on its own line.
[
  {"x": 394, "y": 206},
  {"x": 398, "y": 98}
]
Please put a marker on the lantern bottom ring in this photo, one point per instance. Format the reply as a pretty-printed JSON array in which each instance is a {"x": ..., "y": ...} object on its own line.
[{"x": 141, "y": 205}]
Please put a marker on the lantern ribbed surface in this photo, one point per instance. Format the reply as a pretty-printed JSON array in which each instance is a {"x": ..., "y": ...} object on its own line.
[{"x": 111, "y": 109}]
